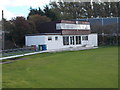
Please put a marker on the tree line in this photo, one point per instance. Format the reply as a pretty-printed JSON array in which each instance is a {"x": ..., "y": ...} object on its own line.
[
  {"x": 17, "y": 28},
  {"x": 74, "y": 10}
]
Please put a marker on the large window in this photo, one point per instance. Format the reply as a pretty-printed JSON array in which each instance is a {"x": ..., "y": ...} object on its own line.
[
  {"x": 78, "y": 39},
  {"x": 65, "y": 40},
  {"x": 84, "y": 37},
  {"x": 72, "y": 26}
]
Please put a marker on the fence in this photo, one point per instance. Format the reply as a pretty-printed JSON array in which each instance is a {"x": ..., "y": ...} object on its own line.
[
  {"x": 17, "y": 51},
  {"x": 107, "y": 39},
  {"x": 21, "y": 55},
  {"x": 109, "y": 27}
]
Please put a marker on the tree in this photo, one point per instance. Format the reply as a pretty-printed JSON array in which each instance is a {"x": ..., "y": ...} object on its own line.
[
  {"x": 88, "y": 10},
  {"x": 50, "y": 13},
  {"x": 68, "y": 10},
  {"x": 114, "y": 8},
  {"x": 47, "y": 11},
  {"x": 73, "y": 10},
  {"x": 37, "y": 19},
  {"x": 17, "y": 29},
  {"x": 35, "y": 11}
]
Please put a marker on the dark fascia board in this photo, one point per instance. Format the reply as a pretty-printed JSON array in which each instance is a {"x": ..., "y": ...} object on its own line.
[
  {"x": 43, "y": 34},
  {"x": 64, "y": 21}
]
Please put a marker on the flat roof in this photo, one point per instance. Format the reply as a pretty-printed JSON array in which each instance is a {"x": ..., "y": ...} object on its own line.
[{"x": 43, "y": 34}]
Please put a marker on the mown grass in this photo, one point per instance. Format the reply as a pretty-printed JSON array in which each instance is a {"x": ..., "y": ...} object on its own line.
[{"x": 96, "y": 68}]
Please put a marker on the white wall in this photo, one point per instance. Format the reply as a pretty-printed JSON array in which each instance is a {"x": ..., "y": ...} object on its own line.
[
  {"x": 54, "y": 44},
  {"x": 43, "y": 40},
  {"x": 93, "y": 39},
  {"x": 34, "y": 40},
  {"x": 84, "y": 42},
  {"x": 57, "y": 44}
]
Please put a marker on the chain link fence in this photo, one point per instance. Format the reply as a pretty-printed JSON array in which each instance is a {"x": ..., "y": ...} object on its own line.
[
  {"x": 108, "y": 40},
  {"x": 108, "y": 30}
]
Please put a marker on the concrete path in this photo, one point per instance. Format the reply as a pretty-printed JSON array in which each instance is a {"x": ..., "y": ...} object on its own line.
[{"x": 71, "y": 49}]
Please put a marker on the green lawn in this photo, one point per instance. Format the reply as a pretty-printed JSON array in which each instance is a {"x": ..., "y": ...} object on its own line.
[{"x": 97, "y": 68}]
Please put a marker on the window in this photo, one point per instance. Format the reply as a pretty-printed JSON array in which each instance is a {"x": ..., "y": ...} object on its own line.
[
  {"x": 72, "y": 40},
  {"x": 56, "y": 38},
  {"x": 49, "y": 38},
  {"x": 84, "y": 37},
  {"x": 78, "y": 39},
  {"x": 65, "y": 40},
  {"x": 72, "y": 26}
]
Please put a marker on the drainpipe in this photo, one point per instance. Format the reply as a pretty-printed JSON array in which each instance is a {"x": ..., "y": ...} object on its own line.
[
  {"x": 102, "y": 32},
  {"x": 3, "y": 33}
]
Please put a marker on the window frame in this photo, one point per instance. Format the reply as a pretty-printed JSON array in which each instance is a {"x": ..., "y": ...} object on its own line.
[
  {"x": 49, "y": 38},
  {"x": 56, "y": 38},
  {"x": 85, "y": 38},
  {"x": 78, "y": 40},
  {"x": 65, "y": 40}
]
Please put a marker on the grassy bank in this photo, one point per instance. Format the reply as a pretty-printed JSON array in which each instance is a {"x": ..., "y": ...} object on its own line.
[{"x": 96, "y": 68}]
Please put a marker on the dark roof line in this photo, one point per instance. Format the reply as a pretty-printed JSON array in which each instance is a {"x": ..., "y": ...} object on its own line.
[{"x": 43, "y": 34}]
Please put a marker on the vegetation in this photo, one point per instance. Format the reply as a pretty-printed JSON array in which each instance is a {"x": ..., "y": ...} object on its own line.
[
  {"x": 17, "y": 28},
  {"x": 37, "y": 20},
  {"x": 96, "y": 68},
  {"x": 74, "y": 10}
]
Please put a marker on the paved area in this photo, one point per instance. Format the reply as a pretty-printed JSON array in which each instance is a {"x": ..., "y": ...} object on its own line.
[{"x": 71, "y": 49}]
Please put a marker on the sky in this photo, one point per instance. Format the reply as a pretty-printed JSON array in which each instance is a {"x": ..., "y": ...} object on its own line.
[{"x": 13, "y": 8}]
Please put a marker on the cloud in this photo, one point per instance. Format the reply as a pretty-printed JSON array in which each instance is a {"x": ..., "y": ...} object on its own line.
[
  {"x": 7, "y": 14},
  {"x": 33, "y": 3},
  {"x": 19, "y": 3}
]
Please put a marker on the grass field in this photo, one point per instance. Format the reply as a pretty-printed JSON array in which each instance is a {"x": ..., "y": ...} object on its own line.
[{"x": 96, "y": 68}]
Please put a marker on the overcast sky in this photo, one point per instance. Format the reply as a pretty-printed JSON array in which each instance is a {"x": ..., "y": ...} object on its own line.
[{"x": 13, "y": 8}]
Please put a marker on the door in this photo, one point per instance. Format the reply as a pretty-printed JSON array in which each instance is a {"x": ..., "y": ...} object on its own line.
[
  {"x": 40, "y": 47},
  {"x": 44, "y": 47}
]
